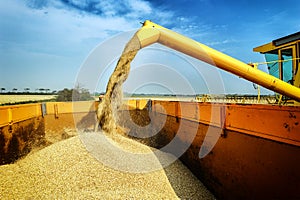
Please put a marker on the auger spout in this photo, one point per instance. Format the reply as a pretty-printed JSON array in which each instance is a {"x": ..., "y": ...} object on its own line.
[{"x": 151, "y": 33}]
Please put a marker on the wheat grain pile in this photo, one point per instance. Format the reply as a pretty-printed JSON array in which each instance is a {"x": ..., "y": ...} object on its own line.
[{"x": 66, "y": 170}]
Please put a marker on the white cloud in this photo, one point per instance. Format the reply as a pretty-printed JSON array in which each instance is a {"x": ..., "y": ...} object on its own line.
[
  {"x": 139, "y": 8},
  {"x": 60, "y": 25},
  {"x": 222, "y": 42},
  {"x": 191, "y": 28},
  {"x": 55, "y": 37}
]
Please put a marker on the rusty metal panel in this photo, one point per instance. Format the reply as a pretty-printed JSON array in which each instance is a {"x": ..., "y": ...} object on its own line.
[
  {"x": 272, "y": 122},
  {"x": 206, "y": 113},
  {"x": 131, "y": 103},
  {"x": 17, "y": 113},
  {"x": 4, "y": 115},
  {"x": 50, "y": 108},
  {"x": 136, "y": 103},
  {"x": 70, "y": 107},
  {"x": 267, "y": 121},
  {"x": 64, "y": 107},
  {"x": 142, "y": 103},
  {"x": 59, "y": 107},
  {"x": 210, "y": 114},
  {"x": 83, "y": 106},
  {"x": 189, "y": 110},
  {"x": 165, "y": 107},
  {"x": 23, "y": 112}
]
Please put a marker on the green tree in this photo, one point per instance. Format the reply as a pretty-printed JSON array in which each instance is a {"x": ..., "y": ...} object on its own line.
[
  {"x": 2, "y": 89},
  {"x": 26, "y": 90},
  {"x": 76, "y": 94},
  {"x": 64, "y": 95},
  {"x": 41, "y": 90}
]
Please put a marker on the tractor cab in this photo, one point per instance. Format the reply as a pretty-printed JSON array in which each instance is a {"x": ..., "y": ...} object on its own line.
[{"x": 283, "y": 58}]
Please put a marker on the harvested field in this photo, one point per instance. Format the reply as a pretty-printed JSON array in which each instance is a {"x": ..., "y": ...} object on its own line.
[
  {"x": 66, "y": 170},
  {"x": 11, "y": 99}
]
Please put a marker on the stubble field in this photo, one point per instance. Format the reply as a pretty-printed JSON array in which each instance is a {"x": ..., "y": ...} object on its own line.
[{"x": 11, "y": 99}]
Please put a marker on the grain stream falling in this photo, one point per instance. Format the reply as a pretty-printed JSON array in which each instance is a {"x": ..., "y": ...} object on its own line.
[{"x": 112, "y": 100}]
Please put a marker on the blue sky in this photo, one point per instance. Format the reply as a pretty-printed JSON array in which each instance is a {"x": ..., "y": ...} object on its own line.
[{"x": 44, "y": 43}]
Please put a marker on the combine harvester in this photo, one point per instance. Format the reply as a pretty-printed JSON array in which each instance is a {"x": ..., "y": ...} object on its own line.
[{"x": 255, "y": 151}]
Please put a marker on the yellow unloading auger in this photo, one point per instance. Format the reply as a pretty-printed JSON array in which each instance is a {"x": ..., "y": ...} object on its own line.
[{"x": 152, "y": 33}]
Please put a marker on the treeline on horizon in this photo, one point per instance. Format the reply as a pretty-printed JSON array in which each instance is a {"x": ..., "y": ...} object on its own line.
[
  {"x": 81, "y": 94},
  {"x": 194, "y": 95},
  {"x": 75, "y": 94},
  {"x": 86, "y": 93},
  {"x": 27, "y": 91}
]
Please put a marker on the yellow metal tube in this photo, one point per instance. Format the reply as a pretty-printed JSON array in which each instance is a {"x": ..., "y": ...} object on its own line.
[{"x": 152, "y": 33}]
